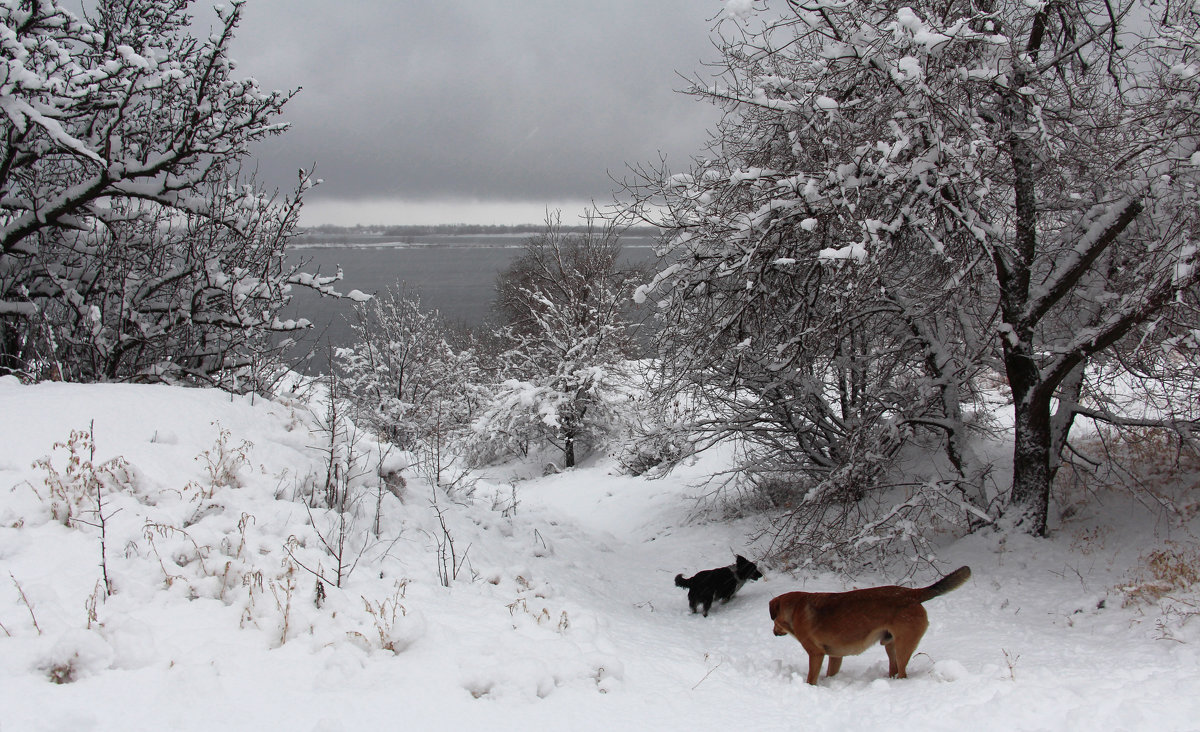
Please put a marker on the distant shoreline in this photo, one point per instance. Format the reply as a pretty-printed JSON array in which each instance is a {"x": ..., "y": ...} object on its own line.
[
  {"x": 386, "y": 235},
  {"x": 632, "y": 238},
  {"x": 394, "y": 244}
]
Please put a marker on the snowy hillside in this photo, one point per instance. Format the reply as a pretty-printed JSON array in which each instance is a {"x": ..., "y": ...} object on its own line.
[{"x": 533, "y": 603}]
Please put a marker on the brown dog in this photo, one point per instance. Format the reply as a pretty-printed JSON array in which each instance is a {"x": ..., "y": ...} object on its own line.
[{"x": 838, "y": 624}]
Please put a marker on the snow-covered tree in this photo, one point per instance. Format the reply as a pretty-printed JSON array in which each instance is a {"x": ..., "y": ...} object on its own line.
[
  {"x": 903, "y": 194},
  {"x": 130, "y": 244},
  {"x": 412, "y": 378},
  {"x": 565, "y": 385},
  {"x": 566, "y": 268},
  {"x": 564, "y": 346}
]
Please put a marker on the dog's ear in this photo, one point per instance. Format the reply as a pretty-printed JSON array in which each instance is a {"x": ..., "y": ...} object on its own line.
[
  {"x": 774, "y": 605},
  {"x": 742, "y": 560}
]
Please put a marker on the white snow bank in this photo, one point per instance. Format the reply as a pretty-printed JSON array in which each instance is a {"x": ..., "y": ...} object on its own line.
[{"x": 563, "y": 614}]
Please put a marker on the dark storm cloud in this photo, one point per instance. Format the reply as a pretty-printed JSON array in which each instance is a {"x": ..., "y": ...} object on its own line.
[{"x": 529, "y": 100}]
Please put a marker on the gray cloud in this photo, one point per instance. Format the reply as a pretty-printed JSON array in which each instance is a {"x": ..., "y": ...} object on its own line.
[{"x": 532, "y": 100}]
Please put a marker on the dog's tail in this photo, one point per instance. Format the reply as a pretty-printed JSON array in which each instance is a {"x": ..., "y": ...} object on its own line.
[
  {"x": 952, "y": 581},
  {"x": 681, "y": 582}
]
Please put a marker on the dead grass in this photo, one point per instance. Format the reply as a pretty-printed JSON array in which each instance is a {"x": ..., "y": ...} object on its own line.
[
  {"x": 1153, "y": 468},
  {"x": 1152, "y": 465},
  {"x": 1171, "y": 569}
]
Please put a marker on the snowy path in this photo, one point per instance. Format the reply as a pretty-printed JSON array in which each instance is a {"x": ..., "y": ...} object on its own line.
[
  {"x": 1023, "y": 645},
  {"x": 566, "y": 617}
]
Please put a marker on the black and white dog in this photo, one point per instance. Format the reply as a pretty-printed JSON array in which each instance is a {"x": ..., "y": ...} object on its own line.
[{"x": 717, "y": 584}]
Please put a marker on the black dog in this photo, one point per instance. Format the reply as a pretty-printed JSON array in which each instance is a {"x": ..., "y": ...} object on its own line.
[{"x": 717, "y": 584}]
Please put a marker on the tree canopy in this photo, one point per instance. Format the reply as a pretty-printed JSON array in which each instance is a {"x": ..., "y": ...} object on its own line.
[
  {"x": 131, "y": 245},
  {"x": 904, "y": 198}
]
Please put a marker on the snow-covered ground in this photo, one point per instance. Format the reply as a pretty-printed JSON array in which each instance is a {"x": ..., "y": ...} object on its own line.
[{"x": 563, "y": 613}]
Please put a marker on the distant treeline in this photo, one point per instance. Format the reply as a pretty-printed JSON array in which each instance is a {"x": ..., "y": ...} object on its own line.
[{"x": 329, "y": 232}]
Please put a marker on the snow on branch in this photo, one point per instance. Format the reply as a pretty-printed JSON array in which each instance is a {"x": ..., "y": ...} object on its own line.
[{"x": 1106, "y": 224}]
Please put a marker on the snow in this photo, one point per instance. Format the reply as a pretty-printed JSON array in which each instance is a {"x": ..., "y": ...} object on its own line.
[
  {"x": 855, "y": 252},
  {"x": 1185, "y": 268},
  {"x": 826, "y": 103},
  {"x": 921, "y": 34},
  {"x": 740, "y": 9},
  {"x": 132, "y": 57},
  {"x": 563, "y": 614},
  {"x": 909, "y": 68},
  {"x": 644, "y": 291}
]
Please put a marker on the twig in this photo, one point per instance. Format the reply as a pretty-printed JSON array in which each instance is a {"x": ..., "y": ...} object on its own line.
[
  {"x": 714, "y": 668},
  {"x": 101, "y": 519},
  {"x": 25, "y": 599},
  {"x": 1012, "y": 664},
  {"x": 287, "y": 547}
]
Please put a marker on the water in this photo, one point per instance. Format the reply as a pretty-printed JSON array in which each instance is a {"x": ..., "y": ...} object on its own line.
[{"x": 455, "y": 275}]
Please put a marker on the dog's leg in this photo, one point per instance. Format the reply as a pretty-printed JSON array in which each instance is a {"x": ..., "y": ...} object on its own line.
[
  {"x": 814, "y": 666},
  {"x": 906, "y": 634},
  {"x": 899, "y": 653},
  {"x": 890, "y": 647},
  {"x": 835, "y": 665}
]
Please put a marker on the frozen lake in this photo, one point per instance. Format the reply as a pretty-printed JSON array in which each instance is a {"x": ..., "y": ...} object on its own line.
[{"x": 453, "y": 274}]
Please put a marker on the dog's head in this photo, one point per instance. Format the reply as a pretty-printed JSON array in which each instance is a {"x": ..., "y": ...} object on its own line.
[
  {"x": 747, "y": 570},
  {"x": 779, "y": 629}
]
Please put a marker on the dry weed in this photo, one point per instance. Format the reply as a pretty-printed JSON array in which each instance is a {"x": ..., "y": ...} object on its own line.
[
  {"x": 1170, "y": 569},
  {"x": 1152, "y": 464}
]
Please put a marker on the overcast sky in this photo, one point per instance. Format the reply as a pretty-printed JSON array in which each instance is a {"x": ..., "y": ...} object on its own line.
[{"x": 477, "y": 111}]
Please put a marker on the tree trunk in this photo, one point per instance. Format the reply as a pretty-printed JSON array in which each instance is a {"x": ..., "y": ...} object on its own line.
[
  {"x": 1030, "y": 499},
  {"x": 10, "y": 349},
  {"x": 569, "y": 452}
]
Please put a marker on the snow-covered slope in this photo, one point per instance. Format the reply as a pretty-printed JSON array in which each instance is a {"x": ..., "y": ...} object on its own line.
[{"x": 563, "y": 614}]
